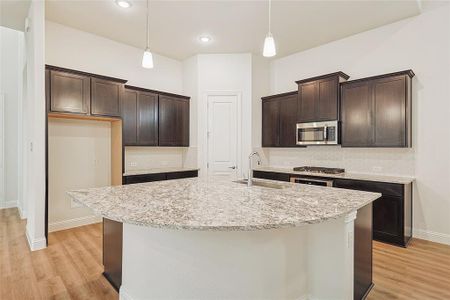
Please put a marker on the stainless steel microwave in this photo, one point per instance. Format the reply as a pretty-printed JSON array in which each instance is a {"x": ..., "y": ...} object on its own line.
[{"x": 317, "y": 133}]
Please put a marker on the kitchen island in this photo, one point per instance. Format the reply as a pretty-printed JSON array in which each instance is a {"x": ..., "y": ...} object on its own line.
[{"x": 212, "y": 238}]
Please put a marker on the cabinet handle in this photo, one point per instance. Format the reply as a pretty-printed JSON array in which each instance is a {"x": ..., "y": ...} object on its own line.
[{"x": 233, "y": 167}]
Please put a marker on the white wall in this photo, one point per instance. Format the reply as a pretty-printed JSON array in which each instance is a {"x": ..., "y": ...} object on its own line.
[
  {"x": 34, "y": 123},
  {"x": 79, "y": 157},
  {"x": 11, "y": 86},
  {"x": 421, "y": 43},
  {"x": 75, "y": 49},
  {"x": 229, "y": 73}
]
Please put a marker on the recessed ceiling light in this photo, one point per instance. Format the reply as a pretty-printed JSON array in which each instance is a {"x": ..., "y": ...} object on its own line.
[
  {"x": 205, "y": 39},
  {"x": 123, "y": 3}
]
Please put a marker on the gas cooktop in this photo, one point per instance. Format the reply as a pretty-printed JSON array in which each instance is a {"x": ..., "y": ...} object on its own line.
[{"x": 319, "y": 170}]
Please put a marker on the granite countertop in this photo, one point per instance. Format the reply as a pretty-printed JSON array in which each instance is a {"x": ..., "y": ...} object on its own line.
[
  {"x": 158, "y": 170},
  {"x": 220, "y": 204},
  {"x": 346, "y": 175}
]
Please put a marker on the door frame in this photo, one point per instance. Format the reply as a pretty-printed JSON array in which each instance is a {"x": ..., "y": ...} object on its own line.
[{"x": 238, "y": 95}]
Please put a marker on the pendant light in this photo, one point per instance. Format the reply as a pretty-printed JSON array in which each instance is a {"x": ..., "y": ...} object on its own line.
[
  {"x": 269, "y": 43},
  {"x": 147, "y": 59}
]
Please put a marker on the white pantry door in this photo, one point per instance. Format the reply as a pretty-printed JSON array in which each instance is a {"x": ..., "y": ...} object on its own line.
[{"x": 222, "y": 134}]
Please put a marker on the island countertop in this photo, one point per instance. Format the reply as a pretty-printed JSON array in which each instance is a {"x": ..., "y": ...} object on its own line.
[{"x": 220, "y": 204}]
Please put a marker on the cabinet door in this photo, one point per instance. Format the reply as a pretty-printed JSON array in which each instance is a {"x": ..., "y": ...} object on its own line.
[
  {"x": 270, "y": 123},
  {"x": 69, "y": 93},
  {"x": 106, "y": 97},
  {"x": 390, "y": 111},
  {"x": 307, "y": 100},
  {"x": 388, "y": 217},
  {"x": 356, "y": 115},
  {"x": 147, "y": 119},
  {"x": 327, "y": 100},
  {"x": 173, "y": 121},
  {"x": 288, "y": 121},
  {"x": 129, "y": 118}
]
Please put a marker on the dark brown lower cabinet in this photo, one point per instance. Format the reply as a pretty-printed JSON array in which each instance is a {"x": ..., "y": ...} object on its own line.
[
  {"x": 271, "y": 175},
  {"x": 113, "y": 231},
  {"x": 363, "y": 253},
  {"x": 112, "y": 252},
  {"x": 392, "y": 213},
  {"x": 158, "y": 176}
]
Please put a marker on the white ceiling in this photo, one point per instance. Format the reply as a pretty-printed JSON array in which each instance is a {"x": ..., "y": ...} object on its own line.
[
  {"x": 13, "y": 13},
  {"x": 235, "y": 26}
]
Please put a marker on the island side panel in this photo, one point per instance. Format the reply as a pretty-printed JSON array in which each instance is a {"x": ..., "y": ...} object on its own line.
[
  {"x": 363, "y": 252},
  {"x": 112, "y": 252}
]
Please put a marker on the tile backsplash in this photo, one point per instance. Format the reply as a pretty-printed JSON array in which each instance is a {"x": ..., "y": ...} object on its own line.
[
  {"x": 388, "y": 161},
  {"x": 144, "y": 158}
]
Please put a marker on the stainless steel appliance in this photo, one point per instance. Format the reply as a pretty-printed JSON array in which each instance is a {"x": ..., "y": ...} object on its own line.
[
  {"x": 317, "y": 133},
  {"x": 311, "y": 181}
]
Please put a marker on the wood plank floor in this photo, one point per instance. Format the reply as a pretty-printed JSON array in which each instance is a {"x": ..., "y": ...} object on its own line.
[{"x": 70, "y": 268}]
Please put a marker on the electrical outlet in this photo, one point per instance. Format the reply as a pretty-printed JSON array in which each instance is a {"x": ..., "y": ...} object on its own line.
[{"x": 377, "y": 169}]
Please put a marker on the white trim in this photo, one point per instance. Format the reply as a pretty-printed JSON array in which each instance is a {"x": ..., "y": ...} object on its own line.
[
  {"x": 205, "y": 158},
  {"x": 432, "y": 236},
  {"x": 8, "y": 204},
  {"x": 22, "y": 212},
  {"x": 36, "y": 244},
  {"x": 123, "y": 294},
  {"x": 77, "y": 222}
]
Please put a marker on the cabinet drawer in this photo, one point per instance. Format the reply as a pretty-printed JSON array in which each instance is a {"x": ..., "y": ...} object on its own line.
[
  {"x": 389, "y": 189},
  {"x": 271, "y": 175}
]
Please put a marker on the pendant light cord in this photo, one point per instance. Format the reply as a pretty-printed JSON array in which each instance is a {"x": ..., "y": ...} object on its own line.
[
  {"x": 270, "y": 15},
  {"x": 147, "y": 26}
]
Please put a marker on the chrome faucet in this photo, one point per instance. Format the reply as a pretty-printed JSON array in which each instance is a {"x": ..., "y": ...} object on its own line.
[{"x": 250, "y": 171}]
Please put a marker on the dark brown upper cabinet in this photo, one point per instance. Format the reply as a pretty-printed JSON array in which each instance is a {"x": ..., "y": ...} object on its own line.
[
  {"x": 106, "y": 97},
  {"x": 279, "y": 118},
  {"x": 152, "y": 118},
  {"x": 147, "y": 119},
  {"x": 173, "y": 120},
  {"x": 318, "y": 97},
  {"x": 68, "y": 92},
  {"x": 376, "y": 111},
  {"x": 77, "y": 92},
  {"x": 129, "y": 117}
]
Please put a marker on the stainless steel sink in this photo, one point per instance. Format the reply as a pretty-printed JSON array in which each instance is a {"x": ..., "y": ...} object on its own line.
[{"x": 266, "y": 184}]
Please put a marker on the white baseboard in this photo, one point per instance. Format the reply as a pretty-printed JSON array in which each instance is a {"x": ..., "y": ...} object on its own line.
[
  {"x": 36, "y": 244},
  {"x": 8, "y": 204},
  {"x": 123, "y": 294},
  {"x": 432, "y": 236},
  {"x": 22, "y": 213},
  {"x": 67, "y": 224}
]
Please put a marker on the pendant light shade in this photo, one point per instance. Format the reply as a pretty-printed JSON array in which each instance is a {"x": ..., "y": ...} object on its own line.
[
  {"x": 147, "y": 59},
  {"x": 269, "y": 42},
  {"x": 269, "y": 46}
]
